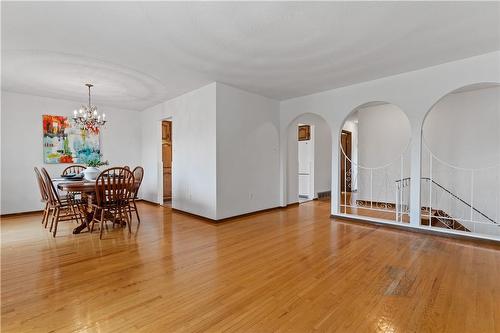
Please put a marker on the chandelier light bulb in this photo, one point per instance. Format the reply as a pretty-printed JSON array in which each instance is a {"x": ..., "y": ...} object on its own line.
[{"x": 87, "y": 117}]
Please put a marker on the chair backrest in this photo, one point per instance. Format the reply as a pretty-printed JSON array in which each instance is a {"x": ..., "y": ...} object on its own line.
[
  {"x": 138, "y": 175},
  {"x": 114, "y": 186},
  {"x": 41, "y": 185},
  {"x": 52, "y": 194},
  {"x": 76, "y": 168},
  {"x": 127, "y": 167}
]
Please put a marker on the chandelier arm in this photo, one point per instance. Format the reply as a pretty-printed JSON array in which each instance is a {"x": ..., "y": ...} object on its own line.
[{"x": 89, "y": 118}]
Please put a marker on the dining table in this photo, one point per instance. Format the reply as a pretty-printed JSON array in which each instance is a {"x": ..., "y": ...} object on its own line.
[{"x": 87, "y": 190}]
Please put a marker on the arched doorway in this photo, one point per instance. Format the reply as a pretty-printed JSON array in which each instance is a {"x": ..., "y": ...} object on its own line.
[
  {"x": 309, "y": 159},
  {"x": 460, "y": 188},
  {"x": 375, "y": 163}
]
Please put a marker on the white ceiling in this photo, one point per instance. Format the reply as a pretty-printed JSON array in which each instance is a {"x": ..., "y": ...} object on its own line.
[{"x": 141, "y": 53}]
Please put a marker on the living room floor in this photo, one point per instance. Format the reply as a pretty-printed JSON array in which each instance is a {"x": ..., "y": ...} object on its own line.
[{"x": 293, "y": 269}]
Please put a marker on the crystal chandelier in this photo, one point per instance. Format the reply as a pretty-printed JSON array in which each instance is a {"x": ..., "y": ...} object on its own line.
[{"x": 87, "y": 117}]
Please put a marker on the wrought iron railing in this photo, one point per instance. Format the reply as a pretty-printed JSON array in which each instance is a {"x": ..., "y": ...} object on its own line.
[
  {"x": 370, "y": 191},
  {"x": 469, "y": 197},
  {"x": 405, "y": 183}
]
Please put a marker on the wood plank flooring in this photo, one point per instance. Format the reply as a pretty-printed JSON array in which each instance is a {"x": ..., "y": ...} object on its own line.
[{"x": 290, "y": 270}]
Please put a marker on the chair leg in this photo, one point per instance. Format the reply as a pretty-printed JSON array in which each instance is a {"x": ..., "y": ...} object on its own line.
[
  {"x": 77, "y": 215},
  {"x": 84, "y": 218},
  {"x": 94, "y": 217},
  {"x": 45, "y": 213},
  {"x": 136, "y": 212},
  {"x": 53, "y": 218},
  {"x": 102, "y": 223},
  {"x": 58, "y": 210},
  {"x": 114, "y": 217},
  {"x": 129, "y": 221},
  {"x": 49, "y": 211}
]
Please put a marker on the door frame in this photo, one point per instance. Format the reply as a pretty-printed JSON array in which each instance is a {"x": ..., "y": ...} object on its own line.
[
  {"x": 344, "y": 185},
  {"x": 160, "y": 161},
  {"x": 167, "y": 142},
  {"x": 312, "y": 193}
]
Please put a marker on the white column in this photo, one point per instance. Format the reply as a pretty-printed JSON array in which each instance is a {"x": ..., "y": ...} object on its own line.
[
  {"x": 335, "y": 196},
  {"x": 415, "y": 172}
]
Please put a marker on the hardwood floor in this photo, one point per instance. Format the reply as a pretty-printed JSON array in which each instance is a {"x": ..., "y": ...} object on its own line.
[{"x": 292, "y": 270}]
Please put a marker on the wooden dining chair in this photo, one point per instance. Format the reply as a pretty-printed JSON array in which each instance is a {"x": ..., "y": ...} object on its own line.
[
  {"x": 75, "y": 168},
  {"x": 132, "y": 206},
  {"x": 113, "y": 187},
  {"x": 44, "y": 196},
  {"x": 62, "y": 209}
]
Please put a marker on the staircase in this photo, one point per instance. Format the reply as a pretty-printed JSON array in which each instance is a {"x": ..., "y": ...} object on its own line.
[{"x": 438, "y": 217}]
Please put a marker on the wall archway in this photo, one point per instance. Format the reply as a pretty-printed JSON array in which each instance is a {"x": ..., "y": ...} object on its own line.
[
  {"x": 321, "y": 139},
  {"x": 460, "y": 166},
  {"x": 374, "y": 163}
]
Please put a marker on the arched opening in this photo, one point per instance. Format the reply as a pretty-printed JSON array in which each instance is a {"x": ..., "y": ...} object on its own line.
[
  {"x": 309, "y": 159},
  {"x": 375, "y": 163},
  {"x": 460, "y": 188}
]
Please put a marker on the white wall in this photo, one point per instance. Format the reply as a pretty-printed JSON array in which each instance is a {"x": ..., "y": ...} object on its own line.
[
  {"x": 383, "y": 138},
  {"x": 22, "y": 146},
  {"x": 322, "y": 155},
  {"x": 194, "y": 186},
  {"x": 463, "y": 128},
  {"x": 414, "y": 92},
  {"x": 225, "y": 151},
  {"x": 247, "y": 152},
  {"x": 462, "y": 132}
]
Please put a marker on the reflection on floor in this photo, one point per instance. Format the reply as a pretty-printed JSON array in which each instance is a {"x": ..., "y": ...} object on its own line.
[
  {"x": 367, "y": 209},
  {"x": 293, "y": 269}
]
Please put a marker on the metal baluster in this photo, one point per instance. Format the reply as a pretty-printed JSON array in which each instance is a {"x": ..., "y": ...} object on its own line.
[
  {"x": 345, "y": 182},
  {"x": 402, "y": 184},
  {"x": 371, "y": 188},
  {"x": 430, "y": 191}
]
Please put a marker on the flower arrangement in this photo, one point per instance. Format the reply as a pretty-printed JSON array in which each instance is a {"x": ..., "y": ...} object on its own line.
[
  {"x": 96, "y": 163},
  {"x": 93, "y": 163}
]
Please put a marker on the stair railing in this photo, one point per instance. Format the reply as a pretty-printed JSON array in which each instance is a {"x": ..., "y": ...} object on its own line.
[
  {"x": 372, "y": 188},
  {"x": 403, "y": 186},
  {"x": 469, "y": 197}
]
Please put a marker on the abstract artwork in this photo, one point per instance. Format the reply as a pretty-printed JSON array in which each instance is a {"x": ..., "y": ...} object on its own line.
[{"x": 65, "y": 143}]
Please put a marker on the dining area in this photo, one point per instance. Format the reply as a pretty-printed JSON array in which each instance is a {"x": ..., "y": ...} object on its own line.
[{"x": 91, "y": 199}]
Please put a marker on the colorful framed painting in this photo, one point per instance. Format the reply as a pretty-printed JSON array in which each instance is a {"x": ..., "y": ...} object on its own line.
[{"x": 65, "y": 143}]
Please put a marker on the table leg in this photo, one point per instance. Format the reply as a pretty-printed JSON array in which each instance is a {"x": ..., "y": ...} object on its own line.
[
  {"x": 85, "y": 224},
  {"x": 87, "y": 212}
]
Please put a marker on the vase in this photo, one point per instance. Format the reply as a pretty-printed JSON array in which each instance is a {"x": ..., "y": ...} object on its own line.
[{"x": 91, "y": 173}]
